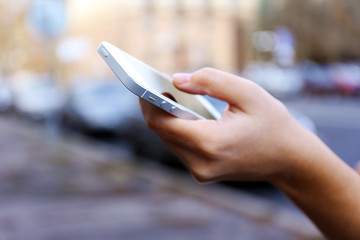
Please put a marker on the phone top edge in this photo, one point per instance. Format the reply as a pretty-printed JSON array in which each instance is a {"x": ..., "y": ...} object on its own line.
[
  {"x": 121, "y": 74},
  {"x": 105, "y": 50}
]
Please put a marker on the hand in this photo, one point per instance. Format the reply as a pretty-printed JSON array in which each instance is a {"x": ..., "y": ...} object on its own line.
[
  {"x": 250, "y": 140},
  {"x": 257, "y": 139}
]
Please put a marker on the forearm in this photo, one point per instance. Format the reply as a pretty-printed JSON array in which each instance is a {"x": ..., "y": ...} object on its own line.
[
  {"x": 324, "y": 187},
  {"x": 257, "y": 139}
]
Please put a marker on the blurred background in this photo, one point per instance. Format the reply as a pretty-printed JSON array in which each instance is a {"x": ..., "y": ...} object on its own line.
[{"x": 78, "y": 163}]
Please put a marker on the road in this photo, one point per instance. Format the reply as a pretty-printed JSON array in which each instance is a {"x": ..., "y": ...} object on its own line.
[
  {"x": 65, "y": 187},
  {"x": 338, "y": 123}
]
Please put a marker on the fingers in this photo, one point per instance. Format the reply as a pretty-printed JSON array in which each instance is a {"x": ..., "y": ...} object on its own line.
[
  {"x": 168, "y": 126},
  {"x": 227, "y": 87},
  {"x": 201, "y": 168}
]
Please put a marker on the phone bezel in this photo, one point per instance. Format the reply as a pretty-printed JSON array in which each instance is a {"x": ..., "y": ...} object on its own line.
[{"x": 116, "y": 59}]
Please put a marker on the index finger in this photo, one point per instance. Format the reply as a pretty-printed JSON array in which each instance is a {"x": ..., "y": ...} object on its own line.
[
  {"x": 171, "y": 127},
  {"x": 234, "y": 90}
]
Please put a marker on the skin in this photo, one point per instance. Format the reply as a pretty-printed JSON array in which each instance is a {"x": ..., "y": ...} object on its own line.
[{"x": 256, "y": 139}]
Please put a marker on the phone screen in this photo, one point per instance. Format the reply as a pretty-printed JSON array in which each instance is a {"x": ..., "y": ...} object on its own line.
[{"x": 156, "y": 82}]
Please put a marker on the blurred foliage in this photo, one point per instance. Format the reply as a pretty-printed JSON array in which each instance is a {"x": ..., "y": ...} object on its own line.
[
  {"x": 326, "y": 30},
  {"x": 20, "y": 47},
  {"x": 11, "y": 33}
]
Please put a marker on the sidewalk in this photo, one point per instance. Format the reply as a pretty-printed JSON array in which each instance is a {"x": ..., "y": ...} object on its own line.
[{"x": 64, "y": 188}]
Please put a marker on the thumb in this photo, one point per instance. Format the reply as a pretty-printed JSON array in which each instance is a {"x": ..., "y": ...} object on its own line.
[{"x": 224, "y": 86}]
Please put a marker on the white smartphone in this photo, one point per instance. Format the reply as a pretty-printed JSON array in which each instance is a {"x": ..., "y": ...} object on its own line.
[{"x": 149, "y": 84}]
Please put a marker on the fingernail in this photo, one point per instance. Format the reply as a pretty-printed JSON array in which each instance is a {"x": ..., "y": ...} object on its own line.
[{"x": 181, "y": 78}]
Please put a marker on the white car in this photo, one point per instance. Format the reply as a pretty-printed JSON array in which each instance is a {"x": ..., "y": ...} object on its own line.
[
  {"x": 38, "y": 97},
  {"x": 97, "y": 106},
  {"x": 5, "y": 96}
]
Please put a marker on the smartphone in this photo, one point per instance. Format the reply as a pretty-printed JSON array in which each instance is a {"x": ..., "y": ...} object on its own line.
[{"x": 149, "y": 84}]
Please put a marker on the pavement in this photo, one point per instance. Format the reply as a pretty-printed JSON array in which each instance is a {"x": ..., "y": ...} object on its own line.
[
  {"x": 54, "y": 186},
  {"x": 337, "y": 119}
]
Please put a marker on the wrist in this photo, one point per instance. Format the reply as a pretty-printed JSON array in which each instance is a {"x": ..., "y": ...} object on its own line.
[
  {"x": 321, "y": 185},
  {"x": 302, "y": 152}
]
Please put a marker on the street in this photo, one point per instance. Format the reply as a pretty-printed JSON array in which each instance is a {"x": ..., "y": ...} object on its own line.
[
  {"x": 77, "y": 160},
  {"x": 55, "y": 186},
  {"x": 59, "y": 186},
  {"x": 338, "y": 123}
]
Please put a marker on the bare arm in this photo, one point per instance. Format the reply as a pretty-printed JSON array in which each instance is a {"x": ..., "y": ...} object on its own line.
[{"x": 257, "y": 139}]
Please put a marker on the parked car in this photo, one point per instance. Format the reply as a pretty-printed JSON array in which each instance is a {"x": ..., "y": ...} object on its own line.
[
  {"x": 107, "y": 111},
  {"x": 5, "y": 96},
  {"x": 38, "y": 97},
  {"x": 100, "y": 106},
  {"x": 347, "y": 77},
  {"x": 279, "y": 81},
  {"x": 318, "y": 78}
]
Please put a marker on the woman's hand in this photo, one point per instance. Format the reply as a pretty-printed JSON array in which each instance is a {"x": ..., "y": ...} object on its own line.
[
  {"x": 248, "y": 142},
  {"x": 257, "y": 139}
]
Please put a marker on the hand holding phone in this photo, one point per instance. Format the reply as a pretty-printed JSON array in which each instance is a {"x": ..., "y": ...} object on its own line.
[{"x": 149, "y": 84}]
